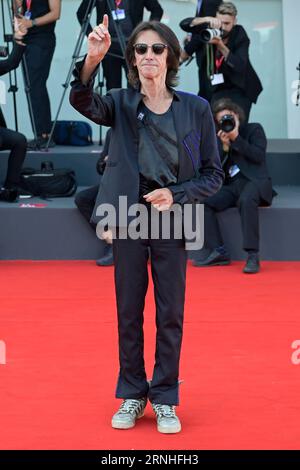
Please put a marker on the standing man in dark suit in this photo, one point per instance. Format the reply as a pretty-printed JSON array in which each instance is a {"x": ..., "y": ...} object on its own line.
[
  {"x": 128, "y": 14},
  {"x": 163, "y": 150},
  {"x": 226, "y": 71},
  {"x": 247, "y": 186},
  {"x": 234, "y": 76}
]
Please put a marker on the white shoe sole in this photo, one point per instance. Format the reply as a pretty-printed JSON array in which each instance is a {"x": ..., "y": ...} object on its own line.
[
  {"x": 121, "y": 425},
  {"x": 170, "y": 430}
]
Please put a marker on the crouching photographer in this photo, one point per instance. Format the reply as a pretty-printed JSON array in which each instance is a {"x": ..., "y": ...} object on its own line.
[
  {"x": 9, "y": 139},
  {"x": 247, "y": 184}
]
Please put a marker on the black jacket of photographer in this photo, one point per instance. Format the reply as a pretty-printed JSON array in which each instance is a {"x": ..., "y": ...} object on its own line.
[
  {"x": 9, "y": 64},
  {"x": 136, "y": 11},
  {"x": 237, "y": 69},
  {"x": 248, "y": 152}
]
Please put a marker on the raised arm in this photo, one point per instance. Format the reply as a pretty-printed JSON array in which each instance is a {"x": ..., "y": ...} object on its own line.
[
  {"x": 99, "y": 42},
  {"x": 82, "y": 97}
]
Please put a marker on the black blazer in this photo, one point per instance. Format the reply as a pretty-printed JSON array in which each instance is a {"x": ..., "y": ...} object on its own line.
[
  {"x": 248, "y": 151},
  {"x": 237, "y": 69},
  {"x": 136, "y": 11},
  {"x": 200, "y": 173},
  {"x": 9, "y": 64}
]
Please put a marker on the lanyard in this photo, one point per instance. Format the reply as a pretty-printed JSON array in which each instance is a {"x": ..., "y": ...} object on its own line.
[
  {"x": 219, "y": 62},
  {"x": 118, "y": 3},
  {"x": 28, "y": 5}
]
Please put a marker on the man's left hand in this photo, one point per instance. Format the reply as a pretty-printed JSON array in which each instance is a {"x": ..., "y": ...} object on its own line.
[{"x": 161, "y": 199}]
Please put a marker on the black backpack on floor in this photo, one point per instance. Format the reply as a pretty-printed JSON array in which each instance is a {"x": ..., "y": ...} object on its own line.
[{"x": 48, "y": 182}]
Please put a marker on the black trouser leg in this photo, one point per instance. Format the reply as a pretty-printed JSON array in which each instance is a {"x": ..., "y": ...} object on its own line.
[
  {"x": 112, "y": 69},
  {"x": 38, "y": 58},
  {"x": 16, "y": 142},
  {"x": 85, "y": 201},
  {"x": 168, "y": 263},
  {"x": 205, "y": 86},
  {"x": 131, "y": 281},
  {"x": 220, "y": 201},
  {"x": 248, "y": 206},
  {"x": 212, "y": 234}
]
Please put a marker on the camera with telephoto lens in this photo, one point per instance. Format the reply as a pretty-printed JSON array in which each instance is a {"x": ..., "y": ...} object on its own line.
[
  {"x": 208, "y": 34},
  {"x": 227, "y": 123},
  {"x": 3, "y": 51}
]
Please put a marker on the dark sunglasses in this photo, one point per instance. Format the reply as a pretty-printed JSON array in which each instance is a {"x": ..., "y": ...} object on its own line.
[{"x": 157, "y": 48}]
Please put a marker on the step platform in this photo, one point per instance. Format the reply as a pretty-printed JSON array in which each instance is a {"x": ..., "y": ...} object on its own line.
[{"x": 35, "y": 229}]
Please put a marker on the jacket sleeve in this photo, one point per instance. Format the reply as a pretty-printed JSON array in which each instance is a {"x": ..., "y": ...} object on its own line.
[
  {"x": 194, "y": 44},
  {"x": 83, "y": 98},
  {"x": 254, "y": 148},
  {"x": 211, "y": 175},
  {"x": 13, "y": 59},
  {"x": 155, "y": 8},
  {"x": 238, "y": 60}
]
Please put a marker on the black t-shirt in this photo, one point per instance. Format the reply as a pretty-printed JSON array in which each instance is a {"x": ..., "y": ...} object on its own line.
[
  {"x": 158, "y": 157},
  {"x": 39, "y": 8}
]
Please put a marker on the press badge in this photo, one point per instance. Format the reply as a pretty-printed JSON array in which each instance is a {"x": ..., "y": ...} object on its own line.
[
  {"x": 27, "y": 15},
  {"x": 118, "y": 14},
  {"x": 217, "y": 79}
]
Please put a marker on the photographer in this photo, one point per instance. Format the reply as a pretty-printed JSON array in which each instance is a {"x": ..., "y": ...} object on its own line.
[
  {"x": 12, "y": 140},
  {"x": 234, "y": 76},
  {"x": 247, "y": 184},
  {"x": 127, "y": 13}
]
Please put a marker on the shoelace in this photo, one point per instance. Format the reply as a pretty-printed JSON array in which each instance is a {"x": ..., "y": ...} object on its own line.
[
  {"x": 131, "y": 406},
  {"x": 164, "y": 411}
]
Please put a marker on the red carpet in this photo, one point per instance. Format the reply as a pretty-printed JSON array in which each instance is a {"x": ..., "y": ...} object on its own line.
[{"x": 240, "y": 390}]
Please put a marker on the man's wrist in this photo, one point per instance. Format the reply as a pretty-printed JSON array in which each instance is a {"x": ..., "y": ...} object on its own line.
[
  {"x": 34, "y": 23},
  {"x": 93, "y": 61}
]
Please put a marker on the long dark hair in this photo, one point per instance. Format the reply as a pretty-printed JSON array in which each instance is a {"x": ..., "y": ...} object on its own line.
[{"x": 169, "y": 38}]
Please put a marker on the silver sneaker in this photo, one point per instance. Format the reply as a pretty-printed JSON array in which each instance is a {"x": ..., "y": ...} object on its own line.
[
  {"x": 167, "y": 421},
  {"x": 129, "y": 411}
]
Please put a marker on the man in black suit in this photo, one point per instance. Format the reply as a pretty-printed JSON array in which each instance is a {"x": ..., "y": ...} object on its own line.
[
  {"x": 231, "y": 53},
  {"x": 128, "y": 13},
  {"x": 247, "y": 186},
  {"x": 232, "y": 75}
]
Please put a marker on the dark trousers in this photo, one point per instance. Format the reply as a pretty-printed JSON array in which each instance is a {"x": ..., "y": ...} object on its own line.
[
  {"x": 38, "y": 58},
  {"x": 112, "y": 70},
  {"x": 16, "y": 142},
  {"x": 239, "y": 192},
  {"x": 205, "y": 86},
  {"x": 85, "y": 201},
  {"x": 168, "y": 266}
]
